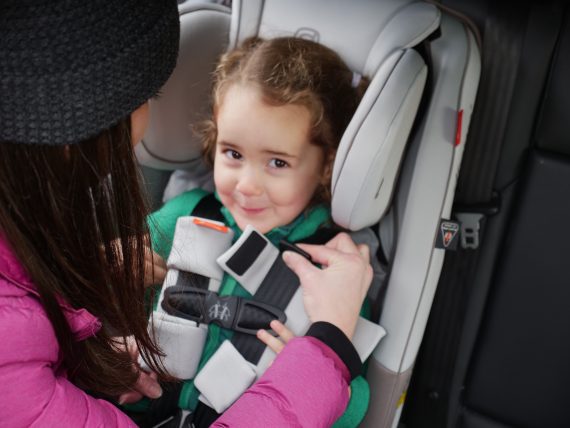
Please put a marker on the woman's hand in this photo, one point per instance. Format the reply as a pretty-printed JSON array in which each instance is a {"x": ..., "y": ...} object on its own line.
[
  {"x": 334, "y": 293},
  {"x": 154, "y": 268},
  {"x": 154, "y": 265},
  {"x": 146, "y": 384}
]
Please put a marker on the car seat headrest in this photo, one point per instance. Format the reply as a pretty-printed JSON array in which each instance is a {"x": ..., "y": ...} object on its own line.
[
  {"x": 377, "y": 46},
  {"x": 370, "y": 152},
  {"x": 363, "y": 33},
  {"x": 169, "y": 142}
]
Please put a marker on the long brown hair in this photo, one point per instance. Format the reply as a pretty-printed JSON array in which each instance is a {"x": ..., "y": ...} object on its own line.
[
  {"x": 75, "y": 217},
  {"x": 291, "y": 70}
]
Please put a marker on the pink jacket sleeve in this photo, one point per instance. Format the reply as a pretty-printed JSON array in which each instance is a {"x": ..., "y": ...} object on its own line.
[
  {"x": 33, "y": 392},
  {"x": 306, "y": 386}
]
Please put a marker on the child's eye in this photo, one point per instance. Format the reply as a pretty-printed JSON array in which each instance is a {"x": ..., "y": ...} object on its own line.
[
  {"x": 232, "y": 154},
  {"x": 278, "y": 163}
]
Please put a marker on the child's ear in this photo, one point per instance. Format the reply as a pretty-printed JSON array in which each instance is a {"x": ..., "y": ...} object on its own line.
[
  {"x": 326, "y": 175},
  {"x": 324, "y": 189}
]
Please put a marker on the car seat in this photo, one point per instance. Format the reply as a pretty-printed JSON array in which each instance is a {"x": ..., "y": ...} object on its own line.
[{"x": 398, "y": 160}]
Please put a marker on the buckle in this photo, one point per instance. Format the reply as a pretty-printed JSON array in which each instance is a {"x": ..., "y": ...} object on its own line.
[{"x": 230, "y": 312}]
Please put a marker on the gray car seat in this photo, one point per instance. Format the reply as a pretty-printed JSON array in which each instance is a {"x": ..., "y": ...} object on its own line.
[{"x": 391, "y": 159}]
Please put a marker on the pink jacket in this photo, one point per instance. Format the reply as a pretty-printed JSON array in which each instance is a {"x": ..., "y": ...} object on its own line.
[
  {"x": 34, "y": 390},
  {"x": 307, "y": 386}
]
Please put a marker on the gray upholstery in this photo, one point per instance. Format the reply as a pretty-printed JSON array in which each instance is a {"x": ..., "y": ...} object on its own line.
[
  {"x": 424, "y": 196},
  {"x": 170, "y": 142}
]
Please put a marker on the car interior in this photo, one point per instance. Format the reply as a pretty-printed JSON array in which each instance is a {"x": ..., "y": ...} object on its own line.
[
  {"x": 456, "y": 158},
  {"x": 494, "y": 352}
]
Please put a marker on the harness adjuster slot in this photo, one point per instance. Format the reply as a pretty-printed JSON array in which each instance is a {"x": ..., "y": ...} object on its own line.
[{"x": 230, "y": 312}]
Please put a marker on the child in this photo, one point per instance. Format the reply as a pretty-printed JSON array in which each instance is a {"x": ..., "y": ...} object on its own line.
[{"x": 280, "y": 108}]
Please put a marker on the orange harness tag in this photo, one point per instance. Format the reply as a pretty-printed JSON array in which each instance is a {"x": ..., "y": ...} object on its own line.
[{"x": 211, "y": 225}]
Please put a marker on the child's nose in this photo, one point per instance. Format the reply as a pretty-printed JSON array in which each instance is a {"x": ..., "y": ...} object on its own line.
[{"x": 249, "y": 184}]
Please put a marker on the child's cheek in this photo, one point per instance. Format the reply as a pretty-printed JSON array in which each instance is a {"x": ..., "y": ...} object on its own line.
[{"x": 221, "y": 178}]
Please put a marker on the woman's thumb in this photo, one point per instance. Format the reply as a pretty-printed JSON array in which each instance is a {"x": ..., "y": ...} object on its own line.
[{"x": 298, "y": 264}]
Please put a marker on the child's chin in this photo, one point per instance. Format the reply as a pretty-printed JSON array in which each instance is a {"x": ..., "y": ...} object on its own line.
[{"x": 259, "y": 226}]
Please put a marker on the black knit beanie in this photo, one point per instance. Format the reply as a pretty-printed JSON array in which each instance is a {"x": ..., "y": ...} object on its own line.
[{"x": 72, "y": 68}]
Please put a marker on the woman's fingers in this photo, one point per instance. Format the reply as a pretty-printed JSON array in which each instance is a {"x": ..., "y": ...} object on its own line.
[
  {"x": 340, "y": 244},
  {"x": 146, "y": 386},
  {"x": 130, "y": 397},
  {"x": 154, "y": 268},
  {"x": 299, "y": 264},
  {"x": 357, "y": 259},
  {"x": 334, "y": 293},
  {"x": 364, "y": 251}
]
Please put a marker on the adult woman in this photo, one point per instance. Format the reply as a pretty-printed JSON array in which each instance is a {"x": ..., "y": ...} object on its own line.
[{"x": 75, "y": 78}]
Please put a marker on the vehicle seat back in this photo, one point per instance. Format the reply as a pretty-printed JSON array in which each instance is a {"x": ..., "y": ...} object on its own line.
[{"x": 517, "y": 368}]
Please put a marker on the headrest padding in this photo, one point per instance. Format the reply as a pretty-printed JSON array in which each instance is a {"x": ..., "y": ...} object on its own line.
[{"x": 370, "y": 151}]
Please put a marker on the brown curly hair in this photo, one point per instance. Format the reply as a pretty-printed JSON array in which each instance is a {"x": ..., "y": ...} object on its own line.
[{"x": 291, "y": 70}]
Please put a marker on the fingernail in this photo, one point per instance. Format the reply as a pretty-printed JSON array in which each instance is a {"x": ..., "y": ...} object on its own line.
[
  {"x": 156, "y": 391},
  {"x": 288, "y": 256}
]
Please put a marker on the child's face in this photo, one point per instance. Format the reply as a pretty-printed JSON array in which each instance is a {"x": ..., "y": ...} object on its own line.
[{"x": 265, "y": 169}]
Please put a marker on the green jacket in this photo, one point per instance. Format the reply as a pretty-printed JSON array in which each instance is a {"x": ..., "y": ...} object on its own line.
[{"x": 162, "y": 224}]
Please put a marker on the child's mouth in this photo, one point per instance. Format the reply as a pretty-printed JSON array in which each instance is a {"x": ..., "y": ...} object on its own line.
[{"x": 252, "y": 211}]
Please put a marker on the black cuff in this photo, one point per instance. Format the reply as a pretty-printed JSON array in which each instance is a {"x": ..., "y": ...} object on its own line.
[{"x": 335, "y": 339}]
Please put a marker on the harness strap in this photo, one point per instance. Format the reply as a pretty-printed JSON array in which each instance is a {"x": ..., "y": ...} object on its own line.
[
  {"x": 277, "y": 289},
  {"x": 256, "y": 264},
  {"x": 208, "y": 207},
  {"x": 201, "y": 253}
]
